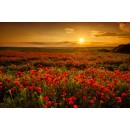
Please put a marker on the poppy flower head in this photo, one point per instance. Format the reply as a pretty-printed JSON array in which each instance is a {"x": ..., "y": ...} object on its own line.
[
  {"x": 123, "y": 94},
  {"x": 45, "y": 98},
  {"x": 84, "y": 98},
  {"x": 92, "y": 102},
  {"x": 49, "y": 103},
  {"x": 16, "y": 83},
  {"x": 71, "y": 102},
  {"x": 38, "y": 89},
  {"x": 21, "y": 87},
  {"x": 118, "y": 99},
  {"x": 75, "y": 106}
]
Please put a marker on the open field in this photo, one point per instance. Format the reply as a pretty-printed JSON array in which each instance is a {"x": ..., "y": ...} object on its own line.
[{"x": 63, "y": 77}]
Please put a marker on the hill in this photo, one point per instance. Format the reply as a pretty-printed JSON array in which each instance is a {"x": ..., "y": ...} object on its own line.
[{"x": 123, "y": 48}]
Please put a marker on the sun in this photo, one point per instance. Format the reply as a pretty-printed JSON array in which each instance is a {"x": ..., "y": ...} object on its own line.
[{"x": 81, "y": 40}]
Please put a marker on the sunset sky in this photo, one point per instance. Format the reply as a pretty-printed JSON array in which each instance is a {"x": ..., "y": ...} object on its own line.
[{"x": 64, "y": 34}]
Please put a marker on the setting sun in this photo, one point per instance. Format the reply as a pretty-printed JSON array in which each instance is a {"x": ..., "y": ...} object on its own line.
[{"x": 81, "y": 40}]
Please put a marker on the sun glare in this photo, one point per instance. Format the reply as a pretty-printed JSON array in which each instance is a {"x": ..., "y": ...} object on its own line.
[{"x": 81, "y": 40}]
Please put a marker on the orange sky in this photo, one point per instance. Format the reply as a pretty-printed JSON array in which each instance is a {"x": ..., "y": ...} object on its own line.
[{"x": 63, "y": 34}]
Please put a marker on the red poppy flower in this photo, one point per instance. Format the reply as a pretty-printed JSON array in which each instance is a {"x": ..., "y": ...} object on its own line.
[
  {"x": 79, "y": 93},
  {"x": 118, "y": 99},
  {"x": 73, "y": 98},
  {"x": 38, "y": 89},
  {"x": 101, "y": 102},
  {"x": 30, "y": 88},
  {"x": 49, "y": 103},
  {"x": 16, "y": 82},
  {"x": 12, "y": 89},
  {"x": 25, "y": 82},
  {"x": 45, "y": 98},
  {"x": 0, "y": 83},
  {"x": 75, "y": 106},
  {"x": 20, "y": 88},
  {"x": 51, "y": 93},
  {"x": 102, "y": 95},
  {"x": 63, "y": 94},
  {"x": 84, "y": 98},
  {"x": 106, "y": 90},
  {"x": 92, "y": 102},
  {"x": 71, "y": 102},
  {"x": 123, "y": 94},
  {"x": 70, "y": 99}
]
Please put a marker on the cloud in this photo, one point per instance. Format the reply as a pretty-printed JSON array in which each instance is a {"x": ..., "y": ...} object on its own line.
[
  {"x": 124, "y": 27},
  {"x": 69, "y": 30},
  {"x": 110, "y": 34},
  {"x": 94, "y": 33}
]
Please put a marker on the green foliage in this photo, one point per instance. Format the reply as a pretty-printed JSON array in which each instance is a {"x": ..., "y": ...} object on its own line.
[{"x": 124, "y": 66}]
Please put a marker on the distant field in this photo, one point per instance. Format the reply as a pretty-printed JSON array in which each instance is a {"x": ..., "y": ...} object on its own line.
[
  {"x": 52, "y": 49},
  {"x": 64, "y": 77}
]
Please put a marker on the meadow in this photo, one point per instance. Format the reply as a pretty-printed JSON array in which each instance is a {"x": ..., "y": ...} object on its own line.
[{"x": 63, "y": 78}]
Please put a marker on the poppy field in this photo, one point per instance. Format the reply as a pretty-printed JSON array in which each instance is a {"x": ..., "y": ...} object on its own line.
[{"x": 64, "y": 78}]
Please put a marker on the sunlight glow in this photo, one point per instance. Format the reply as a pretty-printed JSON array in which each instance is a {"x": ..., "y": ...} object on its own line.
[{"x": 81, "y": 40}]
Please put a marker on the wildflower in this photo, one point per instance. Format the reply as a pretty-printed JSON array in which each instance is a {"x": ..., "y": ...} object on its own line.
[
  {"x": 49, "y": 103},
  {"x": 71, "y": 102},
  {"x": 45, "y": 98},
  {"x": 101, "y": 102},
  {"x": 38, "y": 89},
  {"x": 51, "y": 93},
  {"x": 30, "y": 88},
  {"x": 92, "y": 102},
  {"x": 63, "y": 94},
  {"x": 12, "y": 89},
  {"x": 25, "y": 82},
  {"x": 73, "y": 98},
  {"x": 75, "y": 106},
  {"x": 20, "y": 88},
  {"x": 106, "y": 90},
  {"x": 115, "y": 81},
  {"x": 118, "y": 99},
  {"x": 79, "y": 93},
  {"x": 123, "y": 94},
  {"x": 102, "y": 95},
  {"x": 0, "y": 83},
  {"x": 84, "y": 98},
  {"x": 16, "y": 83}
]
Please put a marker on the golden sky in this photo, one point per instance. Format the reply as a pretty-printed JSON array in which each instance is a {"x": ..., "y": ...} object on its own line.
[{"x": 40, "y": 34}]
